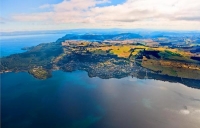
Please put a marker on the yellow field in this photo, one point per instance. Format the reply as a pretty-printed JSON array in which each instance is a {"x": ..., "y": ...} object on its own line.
[
  {"x": 121, "y": 51},
  {"x": 173, "y": 68}
]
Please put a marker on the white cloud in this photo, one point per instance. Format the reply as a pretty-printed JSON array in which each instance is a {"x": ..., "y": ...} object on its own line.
[
  {"x": 184, "y": 112},
  {"x": 178, "y": 14},
  {"x": 74, "y": 5}
]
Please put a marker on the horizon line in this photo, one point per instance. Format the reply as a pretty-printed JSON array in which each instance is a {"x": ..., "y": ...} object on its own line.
[{"x": 96, "y": 29}]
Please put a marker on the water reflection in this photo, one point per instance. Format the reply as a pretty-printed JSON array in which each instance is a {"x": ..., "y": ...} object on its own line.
[
  {"x": 150, "y": 103},
  {"x": 75, "y": 100}
]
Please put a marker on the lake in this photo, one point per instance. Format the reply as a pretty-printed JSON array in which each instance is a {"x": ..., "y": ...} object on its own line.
[
  {"x": 74, "y": 100},
  {"x": 14, "y": 44}
]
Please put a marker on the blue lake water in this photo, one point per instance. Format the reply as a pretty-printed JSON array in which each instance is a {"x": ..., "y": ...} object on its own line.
[
  {"x": 13, "y": 44},
  {"x": 74, "y": 100}
]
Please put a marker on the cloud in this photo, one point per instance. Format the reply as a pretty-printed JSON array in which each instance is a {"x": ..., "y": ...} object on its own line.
[
  {"x": 34, "y": 17},
  {"x": 184, "y": 111},
  {"x": 74, "y": 5},
  {"x": 68, "y": 11},
  {"x": 191, "y": 111},
  {"x": 132, "y": 13},
  {"x": 45, "y": 6},
  {"x": 189, "y": 18},
  {"x": 150, "y": 10},
  {"x": 4, "y": 20}
]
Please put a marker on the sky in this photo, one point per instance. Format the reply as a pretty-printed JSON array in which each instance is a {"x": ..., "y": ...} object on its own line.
[{"x": 29, "y": 15}]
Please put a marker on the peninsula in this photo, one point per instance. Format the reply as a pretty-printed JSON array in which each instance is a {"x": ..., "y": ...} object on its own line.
[{"x": 112, "y": 56}]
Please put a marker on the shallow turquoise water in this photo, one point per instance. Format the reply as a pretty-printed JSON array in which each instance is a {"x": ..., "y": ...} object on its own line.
[{"x": 74, "y": 100}]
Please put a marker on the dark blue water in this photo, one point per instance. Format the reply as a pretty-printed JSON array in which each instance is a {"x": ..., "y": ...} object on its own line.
[
  {"x": 74, "y": 100},
  {"x": 13, "y": 44},
  {"x": 61, "y": 101}
]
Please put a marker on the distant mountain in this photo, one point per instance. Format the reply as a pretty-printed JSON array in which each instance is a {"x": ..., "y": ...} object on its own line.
[
  {"x": 125, "y": 36},
  {"x": 100, "y": 37}
]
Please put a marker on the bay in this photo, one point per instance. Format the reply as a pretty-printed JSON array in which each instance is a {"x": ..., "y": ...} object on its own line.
[{"x": 74, "y": 100}]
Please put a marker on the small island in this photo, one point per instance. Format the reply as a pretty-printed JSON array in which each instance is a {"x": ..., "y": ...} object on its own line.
[{"x": 40, "y": 73}]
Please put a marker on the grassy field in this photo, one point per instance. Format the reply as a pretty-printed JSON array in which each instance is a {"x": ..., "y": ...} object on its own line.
[
  {"x": 173, "y": 68},
  {"x": 121, "y": 51}
]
